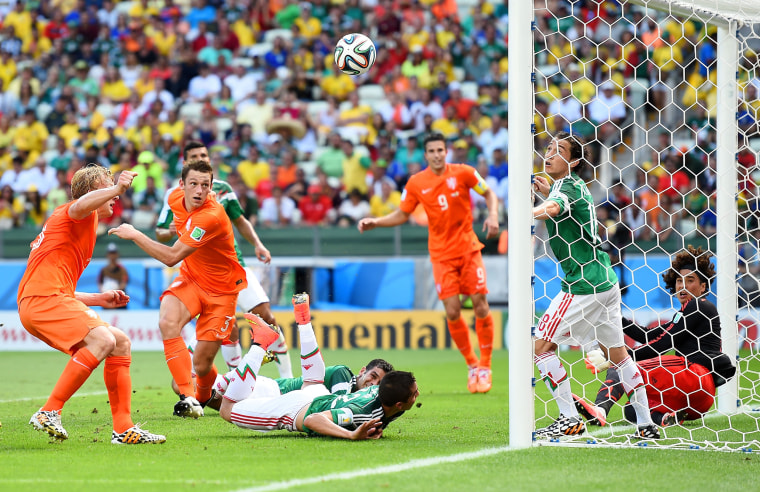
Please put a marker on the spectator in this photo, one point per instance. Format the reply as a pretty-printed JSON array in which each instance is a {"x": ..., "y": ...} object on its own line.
[
  {"x": 12, "y": 177},
  {"x": 377, "y": 176},
  {"x": 11, "y": 208},
  {"x": 242, "y": 83},
  {"x": 316, "y": 208},
  {"x": 331, "y": 160},
  {"x": 257, "y": 113},
  {"x": 148, "y": 166},
  {"x": 608, "y": 111},
  {"x": 277, "y": 210},
  {"x": 205, "y": 85},
  {"x": 354, "y": 168},
  {"x": 354, "y": 208},
  {"x": 35, "y": 208}
]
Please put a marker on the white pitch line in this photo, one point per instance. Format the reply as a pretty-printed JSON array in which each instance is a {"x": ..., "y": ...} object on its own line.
[
  {"x": 421, "y": 463},
  {"x": 94, "y": 393}
]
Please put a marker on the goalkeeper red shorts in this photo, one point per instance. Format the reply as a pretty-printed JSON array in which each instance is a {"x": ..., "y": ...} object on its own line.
[
  {"x": 673, "y": 384},
  {"x": 216, "y": 313}
]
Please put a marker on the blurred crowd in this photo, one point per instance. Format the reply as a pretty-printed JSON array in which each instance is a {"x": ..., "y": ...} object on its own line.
[{"x": 127, "y": 84}]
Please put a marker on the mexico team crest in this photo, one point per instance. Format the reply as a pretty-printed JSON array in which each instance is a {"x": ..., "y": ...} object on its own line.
[{"x": 451, "y": 182}]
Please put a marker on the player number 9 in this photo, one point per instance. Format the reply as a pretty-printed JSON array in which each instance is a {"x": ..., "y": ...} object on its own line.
[{"x": 442, "y": 202}]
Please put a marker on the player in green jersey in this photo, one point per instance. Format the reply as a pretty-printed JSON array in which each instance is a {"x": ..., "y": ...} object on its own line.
[
  {"x": 357, "y": 416},
  {"x": 587, "y": 310},
  {"x": 252, "y": 299}
]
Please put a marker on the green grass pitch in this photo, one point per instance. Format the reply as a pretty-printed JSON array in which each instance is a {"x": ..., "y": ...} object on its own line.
[{"x": 209, "y": 454}]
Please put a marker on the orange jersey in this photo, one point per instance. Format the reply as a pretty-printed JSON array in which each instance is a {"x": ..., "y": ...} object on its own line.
[
  {"x": 213, "y": 266},
  {"x": 446, "y": 199},
  {"x": 60, "y": 253}
]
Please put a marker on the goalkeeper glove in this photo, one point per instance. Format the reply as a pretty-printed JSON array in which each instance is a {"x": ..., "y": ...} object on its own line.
[{"x": 596, "y": 362}]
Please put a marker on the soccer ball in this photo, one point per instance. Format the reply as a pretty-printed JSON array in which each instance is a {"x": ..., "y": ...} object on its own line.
[{"x": 355, "y": 54}]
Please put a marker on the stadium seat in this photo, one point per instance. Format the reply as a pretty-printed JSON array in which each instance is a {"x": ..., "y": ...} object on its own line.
[
  {"x": 191, "y": 111},
  {"x": 124, "y": 7},
  {"x": 43, "y": 109},
  {"x": 309, "y": 169},
  {"x": 470, "y": 90},
  {"x": 223, "y": 125},
  {"x": 345, "y": 105},
  {"x": 260, "y": 49},
  {"x": 316, "y": 107},
  {"x": 271, "y": 34},
  {"x": 244, "y": 61},
  {"x": 51, "y": 141},
  {"x": 371, "y": 91},
  {"x": 105, "y": 109},
  {"x": 459, "y": 73}
]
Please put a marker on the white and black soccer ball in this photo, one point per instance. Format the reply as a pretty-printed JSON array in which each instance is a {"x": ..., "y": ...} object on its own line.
[{"x": 355, "y": 54}]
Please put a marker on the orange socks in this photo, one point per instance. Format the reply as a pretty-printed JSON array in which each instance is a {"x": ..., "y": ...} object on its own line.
[
  {"x": 484, "y": 328},
  {"x": 119, "y": 386},
  {"x": 204, "y": 385},
  {"x": 73, "y": 377},
  {"x": 460, "y": 333},
  {"x": 180, "y": 364}
]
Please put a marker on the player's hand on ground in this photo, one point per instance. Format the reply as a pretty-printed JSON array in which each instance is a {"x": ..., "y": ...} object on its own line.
[
  {"x": 125, "y": 181},
  {"x": 366, "y": 224},
  {"x": 112, "y": 299},
  {"x": 124, "y": 231},
  {"x": 541, "y": 185},
  {"x": 372, "y": 429},
  {"x": 492, "y": 226},
  {"x": 263, "y": 254}
]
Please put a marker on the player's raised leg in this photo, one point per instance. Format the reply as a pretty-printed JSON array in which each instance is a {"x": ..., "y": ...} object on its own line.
[{"x": 312, "y": 363}]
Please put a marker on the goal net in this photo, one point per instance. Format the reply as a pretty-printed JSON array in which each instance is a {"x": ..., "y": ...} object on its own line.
[{"x": 666, "y": 95}]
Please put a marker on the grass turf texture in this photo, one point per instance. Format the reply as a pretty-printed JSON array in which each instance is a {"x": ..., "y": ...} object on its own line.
[{"x": 211, "y": 453}]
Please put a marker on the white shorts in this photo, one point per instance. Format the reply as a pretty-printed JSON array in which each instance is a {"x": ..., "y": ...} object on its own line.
[
  {"x": 253, "y": 295},
  {"x": 277, "y": 412},
  {"x": 584, "y": 320}
]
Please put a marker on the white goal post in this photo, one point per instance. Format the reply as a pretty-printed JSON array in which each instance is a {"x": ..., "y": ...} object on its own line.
[{"x": 728, "y": 16}]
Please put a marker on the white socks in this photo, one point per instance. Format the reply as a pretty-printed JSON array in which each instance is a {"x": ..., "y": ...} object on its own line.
[
  {"x": 312, "y": 364},
  {"x": 555, "y": 377}
]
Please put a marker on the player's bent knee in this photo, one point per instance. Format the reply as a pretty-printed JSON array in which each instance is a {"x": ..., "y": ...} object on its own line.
[{"x": 100, "y": 342}]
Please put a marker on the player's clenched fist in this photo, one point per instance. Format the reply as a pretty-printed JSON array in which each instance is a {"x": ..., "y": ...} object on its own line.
[
  {"x": 366, "y": 224},
  {"x": 125, "y": 180},
  {"x": 124, "y": 231}
]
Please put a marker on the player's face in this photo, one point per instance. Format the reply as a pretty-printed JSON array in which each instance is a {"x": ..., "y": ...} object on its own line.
[
  {"x": 198, "y": 154},
  {"x": 106, "y": 210},
  {"x": 689, "y": 286},
  {"x": 410, "y": 402},
  {"x": 557, "y": 159},
  {"x": 196, "y": 186},
  {"x": 435, "y": 155},
  {"x": 369, "y": 378}
]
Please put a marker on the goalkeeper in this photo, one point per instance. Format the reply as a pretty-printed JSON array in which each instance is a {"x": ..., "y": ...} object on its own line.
[{"x": 682, "y": 386}]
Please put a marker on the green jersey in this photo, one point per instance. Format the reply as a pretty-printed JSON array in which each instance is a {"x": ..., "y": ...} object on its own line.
[
  {"x": 351, "y": 410},
  {"x": 339, "y": 380},
  {"x": 574, "y": 239},
  {"x": 225, "y": 195}
]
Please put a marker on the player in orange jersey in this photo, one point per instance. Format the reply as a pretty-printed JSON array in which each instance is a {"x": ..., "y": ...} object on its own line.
[
  {"x": 443, "y": 189},
  {"x": 51, "y": 309},
  {"x": 207, "y": 286}
]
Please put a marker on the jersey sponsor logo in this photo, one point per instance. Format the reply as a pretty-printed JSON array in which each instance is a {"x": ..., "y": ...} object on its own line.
[
  {"x": 451, "y": 182},
  {"x": 91, "y": 313},
  {"x": 175, "y": 285},
  {"x": 197, "y": 233},
  {"x": 427, "y": 190}
]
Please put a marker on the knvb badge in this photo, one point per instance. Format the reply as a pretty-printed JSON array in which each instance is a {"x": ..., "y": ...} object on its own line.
[
  {"x": 197, "y": 234},
  {"x": 451, "y": 182}
]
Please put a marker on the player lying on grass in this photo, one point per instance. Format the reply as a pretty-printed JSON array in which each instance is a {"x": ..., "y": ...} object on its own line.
[
  {"x": 587, "y": 310},
  {"x": 338, "y": 380},
  {"x": 51, "y": 310},
  {"x": 312, "y": 409},
  {"x": 682, "y": 386},
  {"x": 252, "y": 299}
]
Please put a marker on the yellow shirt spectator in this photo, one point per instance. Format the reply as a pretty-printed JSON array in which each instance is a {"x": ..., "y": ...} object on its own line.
[
  {"x": 355, "y": 172},
  {"x": 69, "y": 132},
  {"x": 21, "y": 22},
  {"x": 667, "y": 58},
  {"x": 420, "y": 39},
  {"x": 583, "y": 89},
  {"x": 175, "y": 129},
  {"x": 483, "y": 123},
  {"x": 143, "y": 85},
  {"x": 447, "y": 128},
  {"x": 116, "y": 92},
  {"x": 310, "y": 28},
  {"x": 244, "y": 32},
  {"x": 6, "y": 137},
  {"x": 163, "y": 42},
  {"x": 444, "y": 38},
  {"x": 379, "y": 207},
  {"x": 253, "y": 172},
  {"x": 338, "y": 84},
  {"x": 33, "y": 137},
  {"x": 36, "y": 48},
  {"x": 304, "y": 59},
  {"x": 7, "y": 71}
]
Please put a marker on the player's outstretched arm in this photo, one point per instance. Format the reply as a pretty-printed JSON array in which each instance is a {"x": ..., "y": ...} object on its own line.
[
  {"x": 92, "y": 200},
  {"x": 397, "y": 217},
  {"x": 249, "y": 233},
  {"x": 110, "y": 299},
  {"x": 168, "y": 255},
  {"x": 322, "y": 423}
]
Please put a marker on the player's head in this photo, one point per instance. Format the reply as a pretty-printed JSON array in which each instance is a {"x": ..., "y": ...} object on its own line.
[
  {"x": 373, "y": 373},
  {"x": 690, "y": 274},
  {"x": 197, "y": 179},
  {"x": 93, "y": 177},
  {"x": 398, "y": 390},
  {"x": 195, "y": 150},
  {"x": 435, "y": 151},
  {"x": 563, "y": 155}
]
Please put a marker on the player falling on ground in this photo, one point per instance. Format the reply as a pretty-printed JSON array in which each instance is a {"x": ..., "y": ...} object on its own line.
[
  {"x": 252, "y": 299},
  {"x": 51, "y": 309},
  {"x": 338, "y": 380},
  {"x": 207, "y": 286},
  {"x": 444, "y": 191},
  {"x": 588, "y": 308},
  {"x": 682, "y": 386},
  {"x": 357, "y": 416}
]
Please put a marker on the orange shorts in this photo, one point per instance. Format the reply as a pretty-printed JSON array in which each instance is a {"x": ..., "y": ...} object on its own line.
[
  {"x": 216, "y": 313},
  {"x": 462, "y": 275},
  {"x": 60, "y": 321}
]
